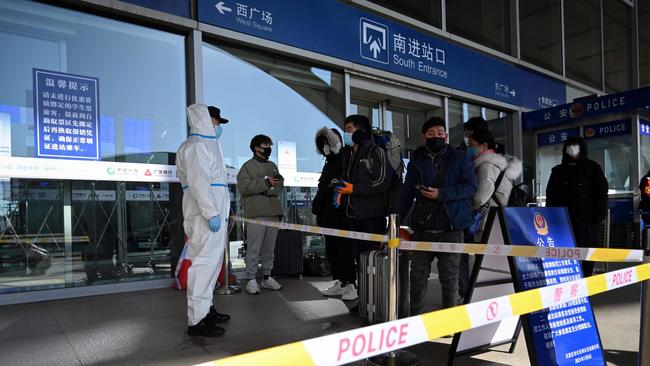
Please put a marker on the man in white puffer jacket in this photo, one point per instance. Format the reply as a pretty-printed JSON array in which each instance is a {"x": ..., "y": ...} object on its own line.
[{"x": 488, "y": 165}]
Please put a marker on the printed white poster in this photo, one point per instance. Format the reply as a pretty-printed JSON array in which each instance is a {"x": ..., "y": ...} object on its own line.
[
  {"x": 5, "y": 134},
  {"x": 287, "y": 157}
]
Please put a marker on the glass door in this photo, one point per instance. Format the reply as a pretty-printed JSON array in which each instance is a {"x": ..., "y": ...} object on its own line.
[{"x": 393, "y": 108}]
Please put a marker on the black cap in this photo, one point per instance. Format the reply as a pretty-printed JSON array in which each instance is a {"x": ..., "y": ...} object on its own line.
[{"x": 216, "y": 113}]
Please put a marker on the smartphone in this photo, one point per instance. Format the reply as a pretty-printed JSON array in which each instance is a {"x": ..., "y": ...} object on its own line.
[
  {"x": 422, "y": 188},
  {"x": 335, "y": 182}
]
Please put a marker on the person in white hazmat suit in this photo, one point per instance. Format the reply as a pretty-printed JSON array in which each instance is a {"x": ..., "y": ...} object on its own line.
[{"x": 206, "y": 205}]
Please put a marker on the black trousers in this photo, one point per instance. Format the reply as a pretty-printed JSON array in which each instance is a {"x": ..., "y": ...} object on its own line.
[{"x": 339, "y": 256}]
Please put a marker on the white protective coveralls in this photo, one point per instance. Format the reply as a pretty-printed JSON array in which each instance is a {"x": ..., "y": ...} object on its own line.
[{"x": 202, "y": 173}]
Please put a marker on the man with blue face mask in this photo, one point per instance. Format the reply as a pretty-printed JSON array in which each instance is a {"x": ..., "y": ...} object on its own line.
[{"x": 206, "y": 204}]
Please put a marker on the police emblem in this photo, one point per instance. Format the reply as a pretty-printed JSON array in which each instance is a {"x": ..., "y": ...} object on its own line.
[{"x": 541, "y": 226}]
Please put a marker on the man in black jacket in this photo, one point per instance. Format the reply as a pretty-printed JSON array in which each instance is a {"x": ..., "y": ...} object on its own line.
[
  {"x": 579, "y": 185},
  {"x": 363, "y": 191}
]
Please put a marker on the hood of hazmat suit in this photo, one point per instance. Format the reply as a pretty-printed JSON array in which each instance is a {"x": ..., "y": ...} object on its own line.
[{"x": 202, "y": 173}]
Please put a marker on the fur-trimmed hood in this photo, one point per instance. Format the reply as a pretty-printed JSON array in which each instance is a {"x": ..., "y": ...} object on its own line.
[
  {"x": 513, "y": 166},
  {"x": 328, "y": 141}
]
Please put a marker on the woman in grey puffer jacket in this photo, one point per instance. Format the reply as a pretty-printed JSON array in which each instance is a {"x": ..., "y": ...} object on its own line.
[{"x": 487, "y": 167}]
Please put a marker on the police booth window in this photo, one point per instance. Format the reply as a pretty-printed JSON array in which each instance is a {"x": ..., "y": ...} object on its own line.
[
  {"x": 83, "y": 96},
  {"x": 609, "y": 144},
  {"x": 286, "y": 100},
  {"x": 644, "y": 131}
]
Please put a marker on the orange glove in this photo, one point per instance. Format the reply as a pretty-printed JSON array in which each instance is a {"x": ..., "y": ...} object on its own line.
[{"x": 345, "y": 188}]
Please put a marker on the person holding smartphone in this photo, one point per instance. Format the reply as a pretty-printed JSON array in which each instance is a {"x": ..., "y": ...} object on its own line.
[
  {"x": 441, "y": 180},
  {"x": 260, "y": 185}
]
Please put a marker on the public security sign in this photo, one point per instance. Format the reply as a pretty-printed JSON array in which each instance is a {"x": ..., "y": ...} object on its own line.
[
  {"x": 585, "y": 108},
  {"x": 557, "y": 137},
  {"x": 374, "y": 41},
  {"x": 644, "y": 127},
  {"x": 608, "y": 129},
  {"x": 66, "y": 114},
  {"x": 560, "y": 334}
]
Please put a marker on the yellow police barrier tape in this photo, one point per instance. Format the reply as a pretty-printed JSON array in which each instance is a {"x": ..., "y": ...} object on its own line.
[
  {"x": 357, "y": 344},
  {"x": 317, "y": 230},
  {"x": 591, "y": 254}
]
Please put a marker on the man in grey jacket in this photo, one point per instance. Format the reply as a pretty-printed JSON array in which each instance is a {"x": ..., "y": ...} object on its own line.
[{"x": 260, "y": 185}]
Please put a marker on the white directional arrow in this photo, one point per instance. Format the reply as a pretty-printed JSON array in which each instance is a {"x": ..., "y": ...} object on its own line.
[
  {"x": 512, "y": 92},
  {"x": 222, "y": 8},
  {"x": 375, "y": 48}
]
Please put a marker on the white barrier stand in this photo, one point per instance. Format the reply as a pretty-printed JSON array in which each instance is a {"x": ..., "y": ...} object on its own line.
[{"x": 227, "y": 288}]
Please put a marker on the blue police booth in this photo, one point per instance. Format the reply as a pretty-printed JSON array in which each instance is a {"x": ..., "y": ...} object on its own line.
[{"x": 616, "y": 129}]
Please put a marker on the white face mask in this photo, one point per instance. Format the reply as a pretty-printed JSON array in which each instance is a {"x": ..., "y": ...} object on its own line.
[{"x": 573, "y": 151}]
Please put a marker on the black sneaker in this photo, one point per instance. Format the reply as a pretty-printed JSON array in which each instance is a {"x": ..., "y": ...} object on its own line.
[
  {"x": 205, "y": 329},
  {"x": 216, "y": 318}
]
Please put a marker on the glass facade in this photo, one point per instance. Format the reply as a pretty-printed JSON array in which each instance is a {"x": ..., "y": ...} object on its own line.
[
  {"x": 120, "y": 229},
  {"x": 619, "y": 46},
  {"x": 643, "y": 9},
  {"x": 582, "y": 37},
  {"x": 305, "y": 98},
  {"x": 427, "y": 11},
  {"x": 488, "y": 23},
  {"x": 540, "y": 32},
  {"x": 460, "y": 112}
]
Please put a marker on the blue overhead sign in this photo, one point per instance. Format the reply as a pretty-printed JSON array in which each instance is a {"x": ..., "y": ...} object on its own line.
[
  {"x": 66, "y": 114},
  {"x": 563, "y": 334},
  {"x": 557, "y": 137},
  {"x": 571, "y": 112},
  {"x": 339, "y": 30},
  {"x": 608, "y": 129}
]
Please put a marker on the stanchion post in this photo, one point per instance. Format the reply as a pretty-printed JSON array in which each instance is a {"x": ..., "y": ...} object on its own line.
[
  {"x": 644, "y": 339},
  {"x": 226, "y": 288},
  {"x": 608, "y": 233},
  {"x": 393, "y": 241}
]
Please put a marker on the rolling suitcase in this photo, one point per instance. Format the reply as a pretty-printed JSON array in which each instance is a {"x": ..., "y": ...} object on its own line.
[
  {"x": 287, "y": 257},
  {"x": 374, "y": 283}
]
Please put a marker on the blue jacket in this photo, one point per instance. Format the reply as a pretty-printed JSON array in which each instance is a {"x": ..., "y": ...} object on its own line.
[{"x": 456, "y": 190}]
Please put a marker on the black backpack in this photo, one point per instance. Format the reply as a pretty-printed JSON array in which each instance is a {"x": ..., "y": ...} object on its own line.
[{"x": 518, "y": 196}]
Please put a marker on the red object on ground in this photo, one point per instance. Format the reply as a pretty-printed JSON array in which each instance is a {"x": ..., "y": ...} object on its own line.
[{"x": 183, "y": 266}]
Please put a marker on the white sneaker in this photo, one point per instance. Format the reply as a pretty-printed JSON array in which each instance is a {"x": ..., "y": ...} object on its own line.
[
  {"x": 337, "y": 289},
  {"x": 271, "y": 284},
  {"x": 350, "y": 293},
  {"x": 252, "y": 287}
]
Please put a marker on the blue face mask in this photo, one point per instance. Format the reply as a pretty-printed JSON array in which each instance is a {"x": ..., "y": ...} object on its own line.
[
  {"x": 218, "y": 131},
  {"x": 347, "y": 139},
  {"x": 472, "y": 151}
]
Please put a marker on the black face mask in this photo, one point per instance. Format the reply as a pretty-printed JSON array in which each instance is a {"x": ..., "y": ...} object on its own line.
[
  {"x": 266, "y": 151},
  {"x": 435, "y": 144},
  {"x": 359, "y": 137}
]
